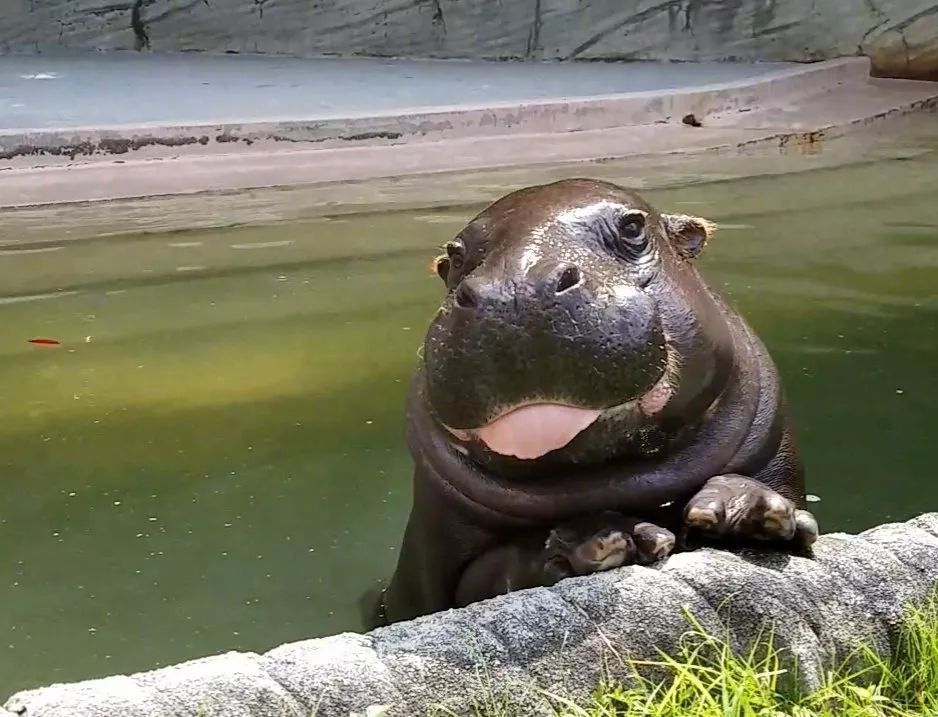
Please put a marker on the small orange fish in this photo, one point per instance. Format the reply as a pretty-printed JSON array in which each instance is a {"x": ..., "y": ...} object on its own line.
[{"x": 44, "y": 342}]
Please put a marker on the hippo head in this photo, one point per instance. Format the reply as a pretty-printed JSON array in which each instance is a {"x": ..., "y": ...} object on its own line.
[{"x": 575, "y": 328}]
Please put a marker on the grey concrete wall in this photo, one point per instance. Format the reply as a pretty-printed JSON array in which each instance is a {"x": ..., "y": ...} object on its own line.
[
  {"x": 901, "y": 36},
  {"x": 561, "y": 639}
]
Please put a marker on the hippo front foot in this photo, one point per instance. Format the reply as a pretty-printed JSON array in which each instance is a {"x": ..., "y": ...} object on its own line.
[
  {"x": 736, "y": 509},
  {"x": 602, "y": 541}
]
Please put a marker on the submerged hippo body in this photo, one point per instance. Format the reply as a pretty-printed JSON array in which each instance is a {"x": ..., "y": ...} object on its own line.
[{"x": 580, "y": 365}]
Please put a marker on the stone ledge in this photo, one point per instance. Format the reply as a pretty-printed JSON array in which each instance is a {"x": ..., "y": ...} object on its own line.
[
  {"x": 235, "y": 135},
  {"x": 844, "y": 100},
  {"x": 559, "y": 639}
]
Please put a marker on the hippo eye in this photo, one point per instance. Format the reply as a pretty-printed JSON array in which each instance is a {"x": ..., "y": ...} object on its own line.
[{"x": 632, "y": 230}]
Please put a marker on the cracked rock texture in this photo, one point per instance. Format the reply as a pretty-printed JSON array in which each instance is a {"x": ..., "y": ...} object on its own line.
[
  {"x": 901, "y": 36},
  {"x": 559, "y": 639}
]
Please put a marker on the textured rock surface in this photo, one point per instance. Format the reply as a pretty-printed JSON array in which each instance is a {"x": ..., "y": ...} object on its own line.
[
  {"x": 559, "y": 639},
  {"x": 900, "y": 35}
]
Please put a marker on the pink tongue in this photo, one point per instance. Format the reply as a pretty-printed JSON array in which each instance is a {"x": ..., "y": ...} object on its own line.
[{"x": 532, "y": 431}]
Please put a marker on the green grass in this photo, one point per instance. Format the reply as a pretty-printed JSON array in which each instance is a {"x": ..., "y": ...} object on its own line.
[{"x": 705, "y": 678}]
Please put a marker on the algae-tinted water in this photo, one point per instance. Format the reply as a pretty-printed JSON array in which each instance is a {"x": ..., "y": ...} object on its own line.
[{"x": 213, "y": 457}]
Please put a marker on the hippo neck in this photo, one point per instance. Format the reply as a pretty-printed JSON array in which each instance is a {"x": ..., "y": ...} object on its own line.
[{"x": 619, "y": 484}]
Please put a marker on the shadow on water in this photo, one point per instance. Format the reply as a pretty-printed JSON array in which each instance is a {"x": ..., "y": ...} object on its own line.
[{"x": 213, "y": 458}]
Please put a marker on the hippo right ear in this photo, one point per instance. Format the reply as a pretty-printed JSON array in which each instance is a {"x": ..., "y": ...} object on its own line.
[
  {"x": 441, "y": 266},
  {"x": 688, "y": 234}
]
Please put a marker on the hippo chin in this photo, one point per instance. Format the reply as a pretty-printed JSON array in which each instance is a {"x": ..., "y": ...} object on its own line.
[{"x": 581, "y": 380}]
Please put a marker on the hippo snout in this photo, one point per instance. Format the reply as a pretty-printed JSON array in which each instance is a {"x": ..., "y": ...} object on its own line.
[
  {"x": 554, "y": 335},
  {"x": 564, "y": 279}
]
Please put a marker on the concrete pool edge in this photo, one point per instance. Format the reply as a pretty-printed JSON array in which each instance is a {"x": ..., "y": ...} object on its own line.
[
  {"x": 558, "y": 114},
  {"x": 561, "y": 639},
  {"x": 831, "y": 96}
]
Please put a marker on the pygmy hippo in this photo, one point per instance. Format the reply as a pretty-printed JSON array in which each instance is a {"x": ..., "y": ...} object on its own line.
[{"x": 585, "y": 400}]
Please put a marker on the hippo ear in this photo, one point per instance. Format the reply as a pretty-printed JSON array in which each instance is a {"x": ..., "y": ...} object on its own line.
[
  {"x": 441, "y": 266},
  {"x": 688, "y": 234}
]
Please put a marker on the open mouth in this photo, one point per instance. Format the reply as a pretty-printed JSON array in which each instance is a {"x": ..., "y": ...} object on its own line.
[{"x": 535, "y": 429}]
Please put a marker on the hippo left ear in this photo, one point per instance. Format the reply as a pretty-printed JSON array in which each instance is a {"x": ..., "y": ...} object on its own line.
[
  {"x": 441, "y": 266},
  {"x": 688, "y": 234}
]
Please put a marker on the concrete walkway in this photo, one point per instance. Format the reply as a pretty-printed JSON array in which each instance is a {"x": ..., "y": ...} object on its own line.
[
  {"x": 123, "y": 89},
  {"x": 154, "y": 127}
]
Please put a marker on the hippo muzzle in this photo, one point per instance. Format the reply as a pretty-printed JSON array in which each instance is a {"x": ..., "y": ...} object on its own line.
[{"x": 522, "y": 359}]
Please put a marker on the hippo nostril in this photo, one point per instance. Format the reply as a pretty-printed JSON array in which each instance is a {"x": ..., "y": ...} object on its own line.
[
  {"x": 569, "y": 278},
  {"x": 466, "y": 297}
]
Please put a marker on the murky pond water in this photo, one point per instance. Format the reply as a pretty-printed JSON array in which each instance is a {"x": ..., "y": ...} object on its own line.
[{"x": 213, "y": 456}]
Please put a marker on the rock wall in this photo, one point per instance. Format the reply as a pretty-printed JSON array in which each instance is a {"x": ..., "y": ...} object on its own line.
[
  {"x": 901, "y": 36},
  {"x": 561, "y": 639}
]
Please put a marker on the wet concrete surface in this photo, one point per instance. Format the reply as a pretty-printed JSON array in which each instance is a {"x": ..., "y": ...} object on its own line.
[
  {"x": 138, "y": 125},
  {"x": 55, "y": 92}
]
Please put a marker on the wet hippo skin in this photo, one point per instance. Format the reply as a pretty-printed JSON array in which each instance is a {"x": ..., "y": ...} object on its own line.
[{"x": 585, "y": 400}]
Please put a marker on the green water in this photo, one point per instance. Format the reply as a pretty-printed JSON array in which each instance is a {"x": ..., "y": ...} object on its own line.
[{"x": 213, "y": 457}]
